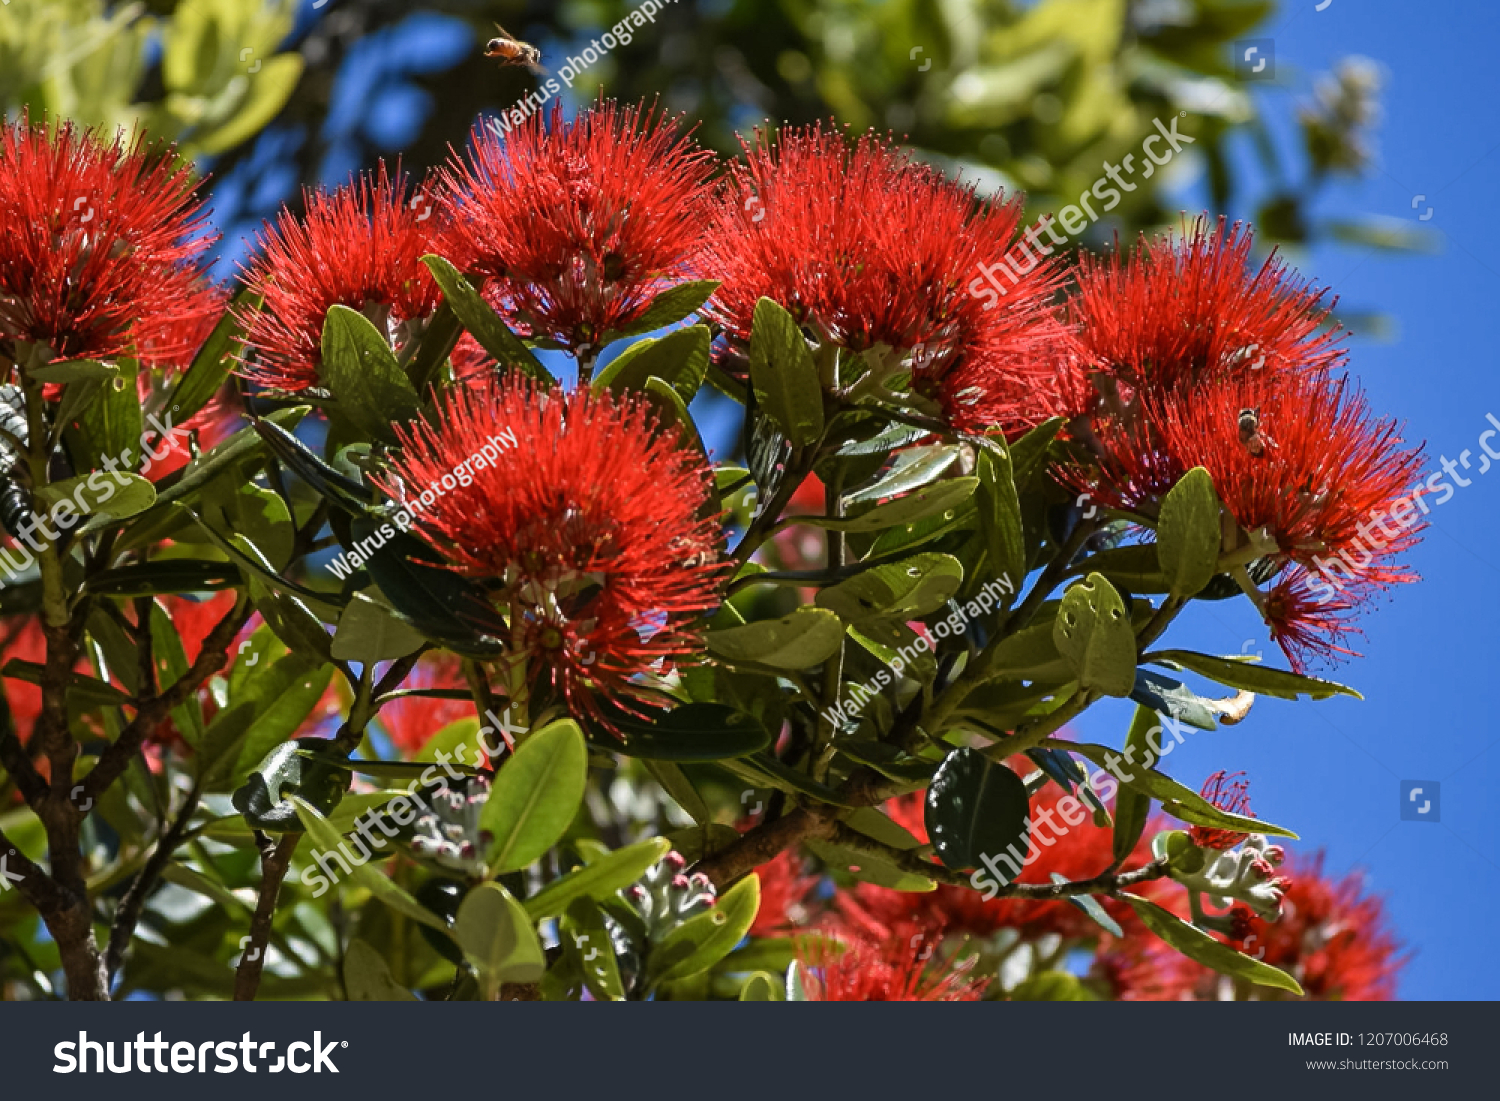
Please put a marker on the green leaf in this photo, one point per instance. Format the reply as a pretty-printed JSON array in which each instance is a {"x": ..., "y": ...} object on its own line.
[
  {"x": 1093, "y": 908},
  {"x": 1135, "y": 568},
  {"x": 81, "y": 688},
  {"x": 367, "y": 978},
  {"x": 784, "y": 376},
  {"x": 1177, "y": 800},
  {"x": 263, "y": 713},
  {"x": 74, "y": 370},
  {"x": 761, "y": 987},
  {"x": 679, "y": 358},
  {"x": 807, "y": 637},
  {"x": 112, "y": 424},
  {"x": 1052, "y": 986},
  {"x": 292, "y": 621},
  {"x": 326, "y": 839},
  {"x": 1188, "y": 534},
  {"x": 1250, "y": 676},
  {"x": 668, "y": 308},
  {"x": 868, "y": 867},
  {"x": 583, "y": 931},
  {"x": 483, "y": 323},
  {"x": 599, "y": 880},
  {"x": 171, "y": 666},
  {"x": 1093, "y": 632},
  {"x": 1028, "y": 455},
  {"x": 691, "y": 732},
  {"x": 368, "y": 632},
  {"x": 535, "y": 796},
  {"x": 703, "y": 940},
  {"x": 268, "y": 93},
  {"x": 361, "y": 370},
  {"x": 933, "y": 500},
  {"x": 213, "y": 362},
  {"x": 901, "y": 590},
  {"x": 497, "y": 938},
  {"x": 910, "y": 469},
  {"x": 110, "y": 498},
  {"x": 1133, "y": 807},
  {"x": 242, "y": 447},
  {"x": 975, "y": 808},
  {"x": 1000, "y": 516},
  {"x": 676, "y": 784},
  {"x": 1199, "y": 946}
]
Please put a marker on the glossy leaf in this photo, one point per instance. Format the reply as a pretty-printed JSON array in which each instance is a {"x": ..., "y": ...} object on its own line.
[
  {"x": 497, "y": 938},
  {"x": 1252, "y": 677},
  {"x": 975, "y": 808},
  {"x": 807, "y": 637}
]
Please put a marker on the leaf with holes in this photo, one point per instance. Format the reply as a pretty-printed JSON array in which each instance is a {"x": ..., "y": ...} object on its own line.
[{"x": 1093, "y": 633}]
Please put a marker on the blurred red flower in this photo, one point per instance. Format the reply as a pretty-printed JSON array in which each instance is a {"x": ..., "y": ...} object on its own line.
[{"x": 411, "y": 720}]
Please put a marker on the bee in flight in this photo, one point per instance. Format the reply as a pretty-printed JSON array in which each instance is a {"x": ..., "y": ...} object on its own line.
[
  {"x": 512, "y": 51},
  {"x": 1251, "y": 436}
]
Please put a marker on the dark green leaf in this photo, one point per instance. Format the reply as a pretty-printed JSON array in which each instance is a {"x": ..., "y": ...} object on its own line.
[
  {"x": 668, "y": 308},
  {"x": 679, "y": 358},
  {"x": 1132, "y": 806},
  {"x": 975, "y": 808},
  {"x": 1000, "y": 516},
  {"x": 928, "y": 502},
  {"x": 214, "y": 361},
  {"x": 483, "y": 324},
  {"x": 691, "y": 732}
]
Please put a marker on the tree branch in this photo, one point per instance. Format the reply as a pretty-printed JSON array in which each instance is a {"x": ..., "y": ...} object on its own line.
[
  {"x": 275, "y": 858},
  {"x": 129, "y": 912}
]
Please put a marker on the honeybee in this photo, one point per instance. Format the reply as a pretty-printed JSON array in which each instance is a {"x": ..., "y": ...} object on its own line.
[
  {"x": 1251, "y": 436},
  {"x": 512, "y": 51}
]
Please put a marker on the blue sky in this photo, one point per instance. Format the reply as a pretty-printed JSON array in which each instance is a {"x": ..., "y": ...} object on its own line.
[{"x": 1330, "y": 770}]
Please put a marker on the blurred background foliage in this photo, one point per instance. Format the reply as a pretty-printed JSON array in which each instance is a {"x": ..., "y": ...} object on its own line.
[{"x": 1034, "y": 95}]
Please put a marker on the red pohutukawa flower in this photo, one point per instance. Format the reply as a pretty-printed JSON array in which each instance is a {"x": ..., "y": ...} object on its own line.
[
  {"x": 411, "y": 720},
  {"x": 1229, "y": 793},
  {"x": 903, "y": 967},
  {"x": 1180, "y": 312},
  {"x": 359, "y": 247},
  {"x": 102, "y": 246},
  {"x": 1332, "y": 938},
  {"x": 866, "y": 247},
  {"x": 586, "y": 524},
  {"x": 578, "y": 226},
  {"x": 1310, "y": 625}
]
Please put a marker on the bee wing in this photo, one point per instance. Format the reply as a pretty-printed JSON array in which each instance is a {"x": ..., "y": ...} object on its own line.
[{"x": 505, "y": 33}]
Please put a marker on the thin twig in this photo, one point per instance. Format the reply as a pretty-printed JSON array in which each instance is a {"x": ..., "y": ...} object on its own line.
[{"x": 275, "y": 858}]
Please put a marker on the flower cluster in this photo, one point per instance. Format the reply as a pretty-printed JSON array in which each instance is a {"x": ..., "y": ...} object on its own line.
[
  {"x": 873, "y": 253},
  {"x": 590, "y": 532},
  {"x": 1189, "y": 357}
]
